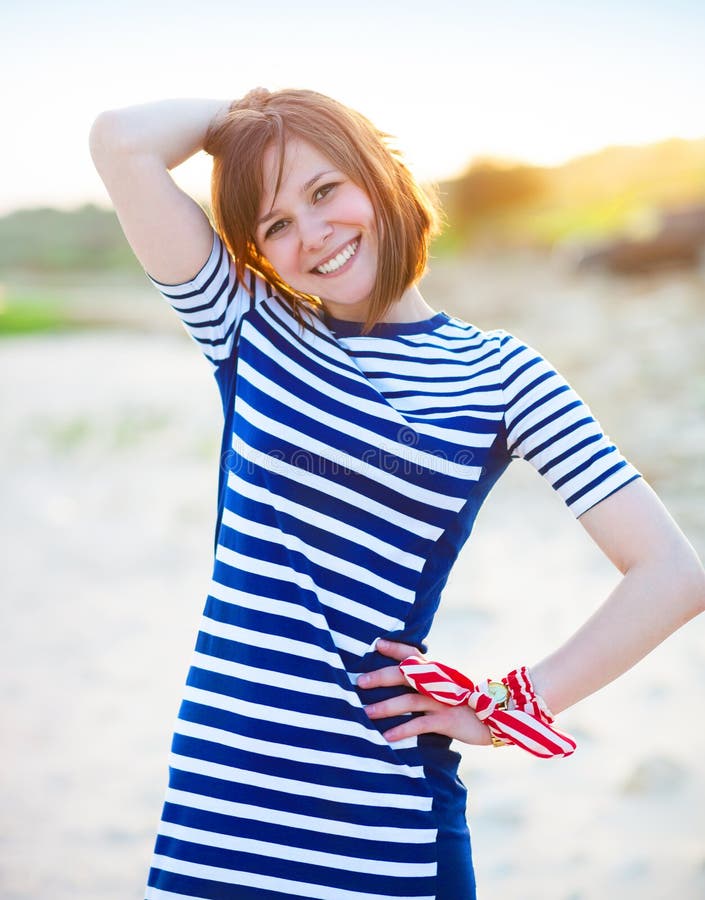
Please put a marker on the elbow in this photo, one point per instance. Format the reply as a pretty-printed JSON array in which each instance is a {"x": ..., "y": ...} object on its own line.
[
  {"x": 699, "y": 589},
  {"x": 106, "y": 138},
  {"x": 99, "y": 141},
  {"x": 677, "y": 575},
  {"x": 688, "y": 574}
]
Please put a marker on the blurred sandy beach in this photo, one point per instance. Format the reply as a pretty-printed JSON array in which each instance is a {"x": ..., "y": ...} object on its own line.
[
  {"x": 576, "y": 128},
  {"x": 110, "y": 445}
]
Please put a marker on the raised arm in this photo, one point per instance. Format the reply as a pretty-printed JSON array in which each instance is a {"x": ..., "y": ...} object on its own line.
[{"x": 133, "y": 149}]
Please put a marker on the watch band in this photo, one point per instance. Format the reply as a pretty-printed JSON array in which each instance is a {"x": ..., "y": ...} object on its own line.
[
  {"x": 510, "y": 708},
  {"x": 498, "y": 741}
]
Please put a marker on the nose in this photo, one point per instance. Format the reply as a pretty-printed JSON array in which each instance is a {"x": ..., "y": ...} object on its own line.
[{"x": 314, "y": 231}]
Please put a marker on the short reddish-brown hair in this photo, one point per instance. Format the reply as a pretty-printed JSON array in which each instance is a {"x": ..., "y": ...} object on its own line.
[{"x": 407, "y": 216}]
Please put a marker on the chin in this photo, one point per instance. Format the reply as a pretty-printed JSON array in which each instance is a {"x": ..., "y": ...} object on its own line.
[
  {"x": 351, "y": 297},
  {"x": 355, "y": 306}
]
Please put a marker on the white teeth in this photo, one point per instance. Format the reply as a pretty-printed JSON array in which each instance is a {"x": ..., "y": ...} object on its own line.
[{"x": 333, "y": 264}]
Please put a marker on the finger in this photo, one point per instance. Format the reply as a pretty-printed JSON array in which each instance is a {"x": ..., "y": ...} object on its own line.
[
  {"x": 412, "y": 728},
  {"x": 459, "y": 723},
  {"x": 398, "y": 706},
  {"x": 397, "y": 650},
  {"x": 388, "y": 676}
]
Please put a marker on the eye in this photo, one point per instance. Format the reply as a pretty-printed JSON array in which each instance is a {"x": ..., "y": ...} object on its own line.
[
  {"x": 323, "y": 191},
  {"x": 276, "y": 228}
]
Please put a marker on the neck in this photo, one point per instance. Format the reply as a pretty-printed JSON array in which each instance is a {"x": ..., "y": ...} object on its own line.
[{"x": 410, "y": 307}]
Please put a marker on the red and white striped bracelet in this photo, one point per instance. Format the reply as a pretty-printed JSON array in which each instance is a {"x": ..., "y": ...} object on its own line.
[{"x": 525, "y": 722}]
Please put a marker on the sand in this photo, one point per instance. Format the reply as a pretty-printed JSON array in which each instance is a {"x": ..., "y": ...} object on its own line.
[{"x": 110, "y": 444}]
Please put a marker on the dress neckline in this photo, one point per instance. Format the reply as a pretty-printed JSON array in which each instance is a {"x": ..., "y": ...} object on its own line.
[{"x": 347, "y": 328}]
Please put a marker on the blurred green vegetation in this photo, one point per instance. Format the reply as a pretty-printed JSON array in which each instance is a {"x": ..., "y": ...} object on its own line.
[
  {"x": 589, "y": 197},
  {"x": 29, "y": 312},
  {"x": 46, "y": 240},
  {"x": 618, "y": 190},
  {"x": 19, "y": 315}
]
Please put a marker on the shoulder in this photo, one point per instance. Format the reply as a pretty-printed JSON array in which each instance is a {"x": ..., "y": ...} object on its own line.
[
  {"x": 245, "y": 277},
  {"x": 217, "y": 275},
  {"x": 496, "y": 345},
  {"x": 456, "y": 327},
  {"x": 515, "y": 355}
]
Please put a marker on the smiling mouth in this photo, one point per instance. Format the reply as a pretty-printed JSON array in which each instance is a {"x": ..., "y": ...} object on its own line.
[{"x": 338, "y": 261}]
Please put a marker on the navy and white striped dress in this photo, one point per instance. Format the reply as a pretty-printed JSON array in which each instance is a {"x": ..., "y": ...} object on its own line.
[{"x": 353, "y": 469}]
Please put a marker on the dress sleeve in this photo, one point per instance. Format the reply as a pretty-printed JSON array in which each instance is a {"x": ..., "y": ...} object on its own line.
[
  {"x": 212, "y": 303},
  {"x": 549, "y": 425}
]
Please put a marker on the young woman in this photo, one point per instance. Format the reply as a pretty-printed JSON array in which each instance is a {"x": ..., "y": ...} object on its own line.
[{"x": 363, "y": 430}]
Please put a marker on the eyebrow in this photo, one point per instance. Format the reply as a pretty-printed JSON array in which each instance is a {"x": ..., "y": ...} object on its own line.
[{"x": 309, "y": 184}]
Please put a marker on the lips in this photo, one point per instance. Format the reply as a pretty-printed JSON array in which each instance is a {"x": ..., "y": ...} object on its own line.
[{"x": 338, "y": 259}]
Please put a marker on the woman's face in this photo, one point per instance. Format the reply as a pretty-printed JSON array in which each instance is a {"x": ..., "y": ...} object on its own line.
[{"x": 319, "y": 231}]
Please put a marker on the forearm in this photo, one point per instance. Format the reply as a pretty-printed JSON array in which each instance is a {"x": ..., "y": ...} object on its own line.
[
  {"x": 651, "y": 601},
  {"x": 171, "y": 130}
]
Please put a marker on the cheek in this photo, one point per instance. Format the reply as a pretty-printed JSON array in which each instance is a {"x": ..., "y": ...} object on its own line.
[
  {"x": 280, "y": 256},
  {"x": 357, "y": 207},
  {"x": 366, "y": 212}
]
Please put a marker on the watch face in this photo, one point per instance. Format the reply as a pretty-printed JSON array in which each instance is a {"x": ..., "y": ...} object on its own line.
[{"x": 498, "y": 691}]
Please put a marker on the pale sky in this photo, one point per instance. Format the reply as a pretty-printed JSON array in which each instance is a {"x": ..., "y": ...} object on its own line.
[{"x": 452, "y": 79}]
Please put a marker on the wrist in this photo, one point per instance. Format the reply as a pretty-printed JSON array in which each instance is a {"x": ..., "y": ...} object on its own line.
[
  {"x": 488, "y": 738},
  {"x": 216, "y": 121},
  {"x": 545, "y": 689}
]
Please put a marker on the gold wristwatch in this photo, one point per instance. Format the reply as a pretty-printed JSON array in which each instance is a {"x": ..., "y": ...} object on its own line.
[{"x": 500, "y": 694}]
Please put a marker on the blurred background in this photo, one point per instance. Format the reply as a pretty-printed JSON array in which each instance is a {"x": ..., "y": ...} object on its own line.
[{"x": 568, "y": 146}]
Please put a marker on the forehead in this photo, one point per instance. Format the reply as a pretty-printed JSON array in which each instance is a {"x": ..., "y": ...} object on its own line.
[{"x": 301, "y": 162}]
